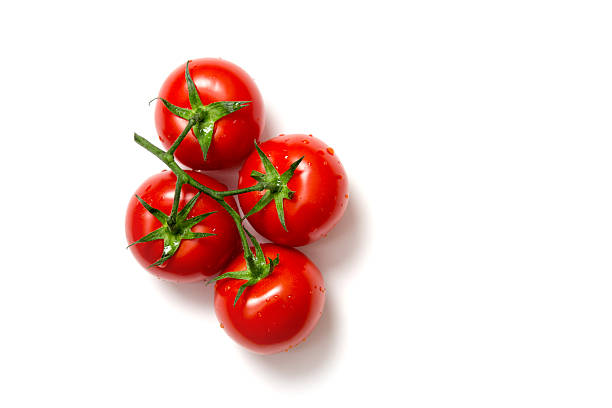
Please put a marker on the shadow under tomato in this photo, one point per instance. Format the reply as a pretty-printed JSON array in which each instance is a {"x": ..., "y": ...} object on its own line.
[
  {"x": 341, "y": 249},
  {"x": 196, "y": 295}
]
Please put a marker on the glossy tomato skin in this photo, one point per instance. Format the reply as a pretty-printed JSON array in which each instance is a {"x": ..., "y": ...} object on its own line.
[
  {"x": 278, "y": 312},
  {"x": 320, "y": 184},
  {"x": 216, "y": 80},
  {"x": 196, "y": 259}
]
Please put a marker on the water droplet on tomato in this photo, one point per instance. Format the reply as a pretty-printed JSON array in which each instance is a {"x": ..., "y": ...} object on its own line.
[
  {"x": 259, "y": 314},
  {"x": 330, "y": 151},
  {"x": 268, "y": 299},
  {"x": 305, "y": 141},
  {"x": 275, "y": 296},
  {"x": 289, "y": 297},
  {"x": 222, "y": 326},
  {"x": 346, "y": 196}
]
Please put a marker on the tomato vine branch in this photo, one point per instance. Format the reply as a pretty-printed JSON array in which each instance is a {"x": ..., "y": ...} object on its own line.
[{"x": 175, "y": 227}]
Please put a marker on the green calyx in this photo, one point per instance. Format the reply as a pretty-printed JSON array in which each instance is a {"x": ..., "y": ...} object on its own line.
[
  {"x": 257, "y": 268},
  {"x": 202, "y": 117},
  {"x": 275, "y": 185},
  {"x": 175, "y": 228}
]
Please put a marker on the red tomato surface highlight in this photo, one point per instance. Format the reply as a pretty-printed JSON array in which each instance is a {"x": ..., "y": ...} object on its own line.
[
  {"x": 278, "y": 312},
  {"x": 216, "y": 80},
  {"x": 195, "y": 258},
  {"x": 320, "y": 184}
]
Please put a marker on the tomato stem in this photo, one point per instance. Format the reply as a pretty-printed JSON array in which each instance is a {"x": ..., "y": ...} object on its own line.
[
  {"x": 201, "y": 119},
  {"x": 257, "y": 267},
  {"x": 179, "y": 139},
  {"x": 175, "y": 204},
  {"x": 256, "y": 187},
  {"x": 168, "y": 159}
]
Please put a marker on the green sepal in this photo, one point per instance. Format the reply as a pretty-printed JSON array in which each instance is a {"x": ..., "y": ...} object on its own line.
[
  {"x": 161, "y": 217},
  {"x": 278, "y": 200},
  {"x": 246, "y": 275},
  {"x": 171, "y": 245},
  {"x": 250, "y": 282},
  {"x": 193, "y": 221},
  {"x": 173, "y": 235},
  {"x": 196, "y": 235},
  {"x": 204, "y": 132},
  {"x": 275, "y": 184},
  {"x": 273, "y": 263},
  {"x": 176, "y": 110},
  {"x": 259, "y": 259},
  {"x": 268, "y": 166},
  {"x": 151, "y": 236},
  {"x": 203, "y": 116},
  {"x": 194, "y": 97},
  {"x": 217, "y": 110},
  {"x": 257, "y": 268},
  {"x": 286, "y": 176},
  {"x": 257, "y": 175},
  {"x": 211, "y": 113},
  {"x": 187, "y": 208},
  {"x": 265, "y": 200}
]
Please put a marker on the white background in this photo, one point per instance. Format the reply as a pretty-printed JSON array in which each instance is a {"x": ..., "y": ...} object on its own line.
[{"x": 472, "y": 267}]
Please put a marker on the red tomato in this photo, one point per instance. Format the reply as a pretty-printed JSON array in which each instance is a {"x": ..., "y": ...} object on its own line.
[
  {"x": 195, "y": 258},
  {"x": 319, "y": 182},
  {"x": 279, "y": 311},
  {"x": 216, "y": 80}
]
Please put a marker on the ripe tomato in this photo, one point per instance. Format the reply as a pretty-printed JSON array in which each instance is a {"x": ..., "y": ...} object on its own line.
[
  {"x": 195, "y": 258},
  {"x": 279, "y": 311},
  {"x": 319, "y": 182},
  {"x": 216, "y": 80}
]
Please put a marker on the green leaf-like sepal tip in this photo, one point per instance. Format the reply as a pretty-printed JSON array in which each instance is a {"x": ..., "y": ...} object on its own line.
[
  {"x": 275, "y": 185},
  {"x": 203, "y": 116},
  {"x": 257, "y": 269},
  {"x": 175, "y": 234}
]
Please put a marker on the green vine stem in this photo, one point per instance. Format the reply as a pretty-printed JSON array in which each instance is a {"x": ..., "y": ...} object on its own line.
[
  {"x": 168, "y": 159},
  {"x": 176, "y": 227}
]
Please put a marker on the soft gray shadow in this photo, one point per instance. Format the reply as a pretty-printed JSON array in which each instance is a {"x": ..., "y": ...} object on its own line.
[
  {"x": 195, "y": 295},
  {"x": 344, "y": 244},
  {"x": 229, "y": 177},
  {"x": 310, "y": 357},
  {"x": 271, "y": 128}
]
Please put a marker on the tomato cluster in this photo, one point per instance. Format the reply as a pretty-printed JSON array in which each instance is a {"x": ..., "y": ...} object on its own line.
[{"x": 185, "y": 226}]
